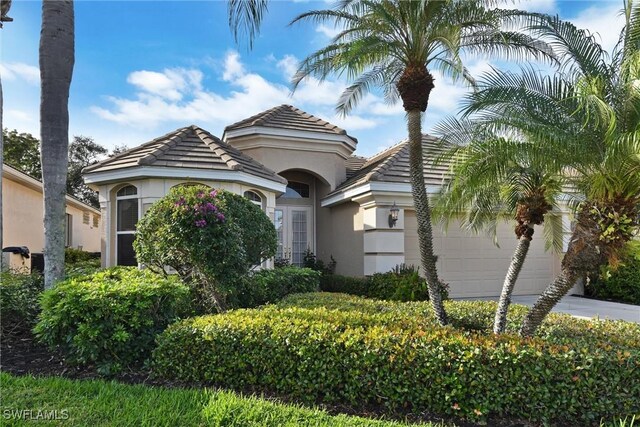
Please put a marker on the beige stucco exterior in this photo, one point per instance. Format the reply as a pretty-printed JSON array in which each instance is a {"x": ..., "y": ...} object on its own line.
[{"x": 23, "y": 209}]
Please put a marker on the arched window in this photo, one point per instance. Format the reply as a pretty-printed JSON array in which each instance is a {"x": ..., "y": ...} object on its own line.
[
  {"x": 253, "y": 197},
  {"x": 296, "y": 190},
  {"x": 127, "y": 213}
]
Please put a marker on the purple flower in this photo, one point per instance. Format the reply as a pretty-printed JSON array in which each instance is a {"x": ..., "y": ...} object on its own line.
[
  {"x": 200, "y": 195},
  {"x": 201, "y": 223},
  {"x": 210, "y": 207},
  {"x": 213, "y": 193},
  {"x": 180, "y": 201},
  {"x": 220, "y": 217}
]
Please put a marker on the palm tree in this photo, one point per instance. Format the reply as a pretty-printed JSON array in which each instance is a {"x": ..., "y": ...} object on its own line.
[
  {"x": 494, "y": 179},
  {"x": 245, "y": 16},
  {"x": 56, "y": 68},
  {"x": 395, "y": 44},
  {"x": 590, "y": 108}
]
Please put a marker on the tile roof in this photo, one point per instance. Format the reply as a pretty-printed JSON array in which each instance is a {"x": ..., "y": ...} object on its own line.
[
  {"x": 289, "y": 117},
  {"x": 392, "y": 165},
  {"x": 354, "y": 164},
  {"x": 189, "y": 147}
]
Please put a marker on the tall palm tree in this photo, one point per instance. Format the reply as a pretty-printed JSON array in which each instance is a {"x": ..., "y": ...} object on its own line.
[
  {"x": 245, "y": 16},
  {"x": 395, "y": 45},
  {"x": 494, "y": 179},
  {"x": 56, "y": 69},
  {"x": 590, "y": 108}
]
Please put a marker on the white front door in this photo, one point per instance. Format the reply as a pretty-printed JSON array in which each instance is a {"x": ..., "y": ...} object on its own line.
[{"x": 295, "y": 232}]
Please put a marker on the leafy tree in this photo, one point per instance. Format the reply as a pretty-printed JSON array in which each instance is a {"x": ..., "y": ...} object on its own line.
[
  {"x": 22, "y": 151},
  {"x": 57, "y": 57},
  {"x": 395, "y": 45},
  {"x": 210, "y": 238},
  {"x": 589, "y": 108},
  {"x": 83, "y": 151},
  {"x": 494, "y": 179}
]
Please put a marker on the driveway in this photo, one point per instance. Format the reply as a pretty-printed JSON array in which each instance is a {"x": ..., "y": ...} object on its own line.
[{"x": 586, "y": 308}]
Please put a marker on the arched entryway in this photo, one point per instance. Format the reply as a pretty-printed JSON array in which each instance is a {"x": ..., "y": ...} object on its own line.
[{"x": 295, "y": 215}]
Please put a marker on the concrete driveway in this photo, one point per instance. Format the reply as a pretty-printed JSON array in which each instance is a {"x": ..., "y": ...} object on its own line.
[{"x": 587, "y": 308}]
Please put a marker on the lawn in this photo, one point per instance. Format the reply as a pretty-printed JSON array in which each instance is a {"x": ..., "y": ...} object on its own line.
[{"x": 102, "y": 403}]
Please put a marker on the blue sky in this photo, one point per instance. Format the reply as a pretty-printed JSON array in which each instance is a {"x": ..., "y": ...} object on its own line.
[{"x": 144, "y": 68}]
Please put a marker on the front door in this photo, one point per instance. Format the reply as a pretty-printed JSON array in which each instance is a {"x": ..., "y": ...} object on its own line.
[{"x": 295, "y": 232}]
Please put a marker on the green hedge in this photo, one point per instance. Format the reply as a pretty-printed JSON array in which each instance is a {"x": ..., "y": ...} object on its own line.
[
  {"x": 403, "y": 283},
  {"x": 344, "y": 349},
  {"x": 19, "y": 294},
  {"x": 110, "y": 318},
  {"x": 270, "y": 286}
]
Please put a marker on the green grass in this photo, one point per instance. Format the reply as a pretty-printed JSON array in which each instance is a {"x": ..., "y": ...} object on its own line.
[{"x": 101, "y": 403}]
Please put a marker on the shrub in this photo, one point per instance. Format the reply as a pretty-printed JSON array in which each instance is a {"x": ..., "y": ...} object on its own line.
[
  {"x": 110, "y": 318},
  {"x": 311, "y": 261},
  {"x": 621, "y": 283},
  {"x": 403, "y": 283},
  {"x": 347, "y": 350},
  {"x": 270, "y": 286},
  {"x": 210, "y": 238},
  {"x": 79, "y": 263},
  {"x": 75, "y": 256},
  {"x": 19, "y": 294}
]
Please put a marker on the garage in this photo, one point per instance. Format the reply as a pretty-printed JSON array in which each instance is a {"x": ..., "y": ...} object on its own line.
[{"x": 475, "y": 267}]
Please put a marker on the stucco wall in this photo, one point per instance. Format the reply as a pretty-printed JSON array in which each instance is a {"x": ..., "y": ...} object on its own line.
[
  {"x": 340, "y": 233},
  {"x": 474, "y": 266},
  {"x": 23, "y": 210}
]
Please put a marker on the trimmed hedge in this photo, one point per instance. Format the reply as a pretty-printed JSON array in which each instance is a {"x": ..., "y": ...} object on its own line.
[
  {"x": 19, "y": 294},
  {"x": 340, "y": 348},
  {"x": 403, "y": 283},
  {"x": 110, "y": 318},
  {"x": 270, "y": 286}
]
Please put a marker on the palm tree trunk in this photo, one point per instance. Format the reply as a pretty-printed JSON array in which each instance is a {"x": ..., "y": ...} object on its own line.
[
  {"x": 584, "y": 253},
  {"x": 56, "y": 69},
  {"x": 423, "y": 214},
  {"x": 517, "y": 261}
]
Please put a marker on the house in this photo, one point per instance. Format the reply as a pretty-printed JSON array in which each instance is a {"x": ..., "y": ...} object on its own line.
[
  {"x": 23, "y": 212},
  {"x": 302, "y": 171}
]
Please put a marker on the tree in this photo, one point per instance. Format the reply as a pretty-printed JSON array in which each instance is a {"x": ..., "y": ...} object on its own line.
[
  {"x": 494, "y": 179},
  {"x": 4, "y": 10},
  {"x": 57, "y": 58},
  {"x": 395, "y": 45},
  {"x": 22, "y": 151},
  {"x": 83, "y": 151},
  {"x": 589, "y": 108},
  {"x": 245, "y": 16}
]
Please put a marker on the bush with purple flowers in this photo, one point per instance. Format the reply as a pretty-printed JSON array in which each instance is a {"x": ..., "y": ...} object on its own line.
[{"x": 210, "y": 238}]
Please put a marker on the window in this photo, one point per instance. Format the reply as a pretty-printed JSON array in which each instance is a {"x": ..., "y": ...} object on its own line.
[
  {"x": 254, "y": 198},
  {"x": 85, "y": 217},
  {"x": 126, "y": 219},
  {"x": 68, "y": 240},
  {"x": 96, "y": 220},
  {"x": 296, "y": 190}
]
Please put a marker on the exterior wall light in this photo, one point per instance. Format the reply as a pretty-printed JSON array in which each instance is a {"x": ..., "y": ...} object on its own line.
[{"x": 393, "y": 215}]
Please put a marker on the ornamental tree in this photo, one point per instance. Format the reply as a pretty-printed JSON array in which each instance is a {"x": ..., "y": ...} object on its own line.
[{"x": 210, "y": 238}]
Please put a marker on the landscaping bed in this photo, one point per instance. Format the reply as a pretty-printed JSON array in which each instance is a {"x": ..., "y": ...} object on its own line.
[{"x": 339, "y": 348}]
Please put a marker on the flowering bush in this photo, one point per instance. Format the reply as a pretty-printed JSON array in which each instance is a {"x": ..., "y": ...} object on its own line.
[{"x": 210, "y": 238}]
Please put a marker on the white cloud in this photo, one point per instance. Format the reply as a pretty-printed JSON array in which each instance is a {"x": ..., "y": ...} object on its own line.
[
  {"x": 329, "y": 32},
  {"x": 178, "y": 95},
  {"x": 170, "y": 84},
  {"x": 20, "y": 70},
  {"x": 604, "y": 21},
  {"x": 542, "y": 6},
  {"x": 232, "y": 66}
]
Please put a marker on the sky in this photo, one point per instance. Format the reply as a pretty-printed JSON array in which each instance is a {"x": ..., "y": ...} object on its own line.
[{"x": 145, "y": 68}]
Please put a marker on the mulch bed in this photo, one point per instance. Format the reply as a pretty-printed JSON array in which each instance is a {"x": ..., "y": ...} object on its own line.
[{"x": 20, "y": 354}]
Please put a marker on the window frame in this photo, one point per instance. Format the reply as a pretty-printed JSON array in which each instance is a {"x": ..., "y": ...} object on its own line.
[{"x": 117, "y": 208}]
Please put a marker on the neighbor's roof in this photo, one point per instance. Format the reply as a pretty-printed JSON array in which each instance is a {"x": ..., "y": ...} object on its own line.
[
  {"x": 289, "y": 117},
  {"x": 189, "y": 147},
  {"x": 392, "y": 165}
]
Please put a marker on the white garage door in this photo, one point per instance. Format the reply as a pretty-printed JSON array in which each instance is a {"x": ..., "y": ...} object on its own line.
[{"x": 473, "y": 266}]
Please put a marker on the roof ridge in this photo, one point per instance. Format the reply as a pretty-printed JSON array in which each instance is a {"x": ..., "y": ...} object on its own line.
[
  {"x": 216, "y": 145},
  {"x": 171, "y": 142}
]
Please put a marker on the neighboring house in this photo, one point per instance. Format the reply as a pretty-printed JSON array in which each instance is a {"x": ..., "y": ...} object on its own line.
[
  {"x": 23, "y": 212},
  {"x": 302, "y": 172}
]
